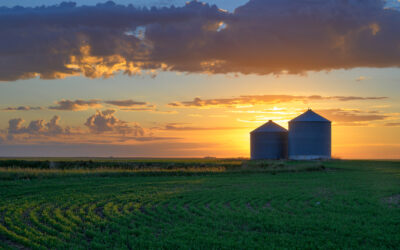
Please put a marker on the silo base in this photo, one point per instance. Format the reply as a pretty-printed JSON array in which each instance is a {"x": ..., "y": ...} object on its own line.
[{"x": 309, "y": 157}]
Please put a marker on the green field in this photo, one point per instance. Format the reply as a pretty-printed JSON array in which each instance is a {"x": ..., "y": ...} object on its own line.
[{"x": 199, "y": 204}]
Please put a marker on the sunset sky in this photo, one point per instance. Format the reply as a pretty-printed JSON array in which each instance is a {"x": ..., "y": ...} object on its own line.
[{"x": 163, "y": 78}]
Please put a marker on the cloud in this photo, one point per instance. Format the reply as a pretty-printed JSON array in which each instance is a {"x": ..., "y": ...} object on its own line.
[
  {"x": 22, "y": 108},
  {"x": 260, "y": 37},
  {"x": 185, "y": 127},
  {"x": 36, "y": 127},
  {"x": 152, "y": 110},
  {"x": 352, "y": 117},
  {"x": 356, "y": 98},
  {"x": 393, "y": 124},
  {"x": 76, "y": 105},
  {"x": 79, "y": 105},
  {"x": 105, "y": 121},
  {"x": 138, "y": 109},
  {"x": 250, "y": 100},
  {"x": 125, "y": 103},
  {"x": 339, "y": 116},
  {"x": 95, "y": 41},
  {"x": 138, "y": 106}
]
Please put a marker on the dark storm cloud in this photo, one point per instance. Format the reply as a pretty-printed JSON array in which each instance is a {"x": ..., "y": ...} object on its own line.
[
  {"x": 261, "y": 37},
  {"x": 96, "y": 41},
  {"x": 264, "y": 99}
]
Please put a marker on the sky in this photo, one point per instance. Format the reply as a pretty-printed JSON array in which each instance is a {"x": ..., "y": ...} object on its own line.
[{"x": 134, "y": 78}]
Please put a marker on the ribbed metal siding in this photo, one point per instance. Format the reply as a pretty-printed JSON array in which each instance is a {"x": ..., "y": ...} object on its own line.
[
  {"x": 309, "y": 140},
  {"x": 268, "y": 145}
]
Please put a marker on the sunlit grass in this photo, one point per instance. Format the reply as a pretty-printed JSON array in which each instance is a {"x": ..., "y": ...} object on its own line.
[{"x": 40, "y": 169}]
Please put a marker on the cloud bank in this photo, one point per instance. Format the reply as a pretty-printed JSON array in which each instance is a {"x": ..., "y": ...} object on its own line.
[
  {"x": 346, "y": 117},
  {"x": 36, "y": 128},
  {"x": 186, "y": 127},
  {"x": 339, "y": 116},
  {"x": 76, "y": 105},
  {"x": 80, "y": 105},
  {"x": 260, "y": 37},
  {"x": 393, "y": 124},
  {"x": 22, "y": 108},
  {"x": 125, "y": 103},
  {"x": 264, "y": 99},
  {"x": 105, "y": 121}
]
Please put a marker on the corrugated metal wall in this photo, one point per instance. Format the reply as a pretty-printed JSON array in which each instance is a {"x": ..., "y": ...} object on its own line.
[
  {"x": 269, "y": 145},
  {"x": 309, "y": 140}
]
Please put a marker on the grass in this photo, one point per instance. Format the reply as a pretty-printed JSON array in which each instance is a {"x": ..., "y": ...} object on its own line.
[
  {"x": 201, "y": 204},
  {"x": 26, "y": 169}
]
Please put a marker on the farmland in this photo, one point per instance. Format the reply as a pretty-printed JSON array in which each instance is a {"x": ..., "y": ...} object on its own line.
[{"x": 198, "y": 203}]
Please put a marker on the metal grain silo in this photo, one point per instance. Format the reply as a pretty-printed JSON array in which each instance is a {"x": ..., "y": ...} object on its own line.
[
  {"x": 270, "y": 141},
  {"x": 309, "y": 137}
]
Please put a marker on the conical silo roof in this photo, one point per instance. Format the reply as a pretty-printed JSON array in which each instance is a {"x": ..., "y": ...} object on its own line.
[
  {"x": 270, "y": 126},
  {"x": 310, "y": 116}
]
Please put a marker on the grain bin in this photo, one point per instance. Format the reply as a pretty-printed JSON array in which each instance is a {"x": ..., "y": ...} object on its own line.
[
  {"x": 270, "y": 141},
  {"x": 309, "y": 137}
]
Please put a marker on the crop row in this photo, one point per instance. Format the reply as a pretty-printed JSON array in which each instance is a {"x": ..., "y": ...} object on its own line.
[{"x": 54, "y": 225}]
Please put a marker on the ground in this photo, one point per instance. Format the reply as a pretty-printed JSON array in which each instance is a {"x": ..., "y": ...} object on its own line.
[{"x": 232, "y": 204}]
